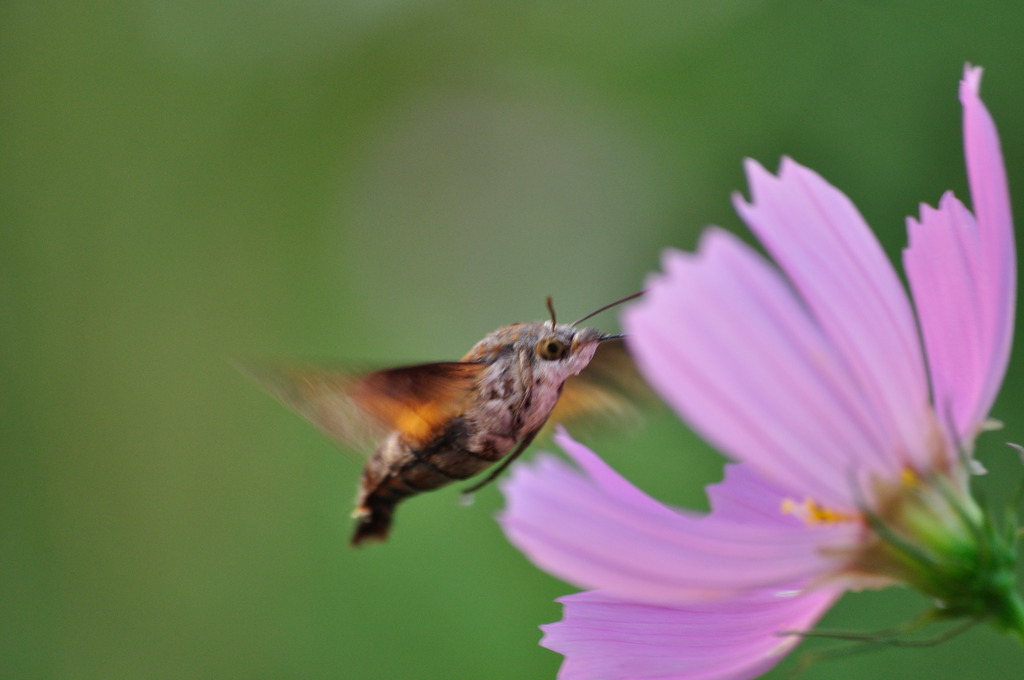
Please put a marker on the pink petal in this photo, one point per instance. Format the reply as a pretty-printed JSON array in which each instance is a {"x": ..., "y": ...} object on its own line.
[
  {"x": 943, "y": 264},
  {"x": 986, "y": 174},
  {"x": 604, "y": 637},
  {"x": 963, "y": 276},
  {"x": 724, "y": 341},
  {"x": 743, "y": 496},
  {"x": 846, "y": 281},
  {"x": 598, "y": 531}
]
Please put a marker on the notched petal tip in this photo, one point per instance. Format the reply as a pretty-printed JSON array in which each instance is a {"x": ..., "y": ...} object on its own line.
[
  {"x": 671, "y": 261},
  {"x": 759, "y": 178},
  {"x": 971, "y": 81},
  {"x": 751, "y": 166}
]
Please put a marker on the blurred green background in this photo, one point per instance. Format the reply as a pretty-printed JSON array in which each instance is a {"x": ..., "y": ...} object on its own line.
[{"x": 184, "y": 183}]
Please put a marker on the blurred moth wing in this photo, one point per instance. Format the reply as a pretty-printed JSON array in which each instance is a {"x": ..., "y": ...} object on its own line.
[{"x": 357, "y": 409}]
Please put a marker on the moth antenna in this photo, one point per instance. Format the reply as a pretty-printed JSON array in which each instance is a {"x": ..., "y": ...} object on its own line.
[
  {"x": 551, "y": 308},
  {"x": 607, "y": 306}
]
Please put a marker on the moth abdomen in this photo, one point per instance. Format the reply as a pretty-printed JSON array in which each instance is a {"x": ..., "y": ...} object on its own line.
[{"x": 399, "y": 469}]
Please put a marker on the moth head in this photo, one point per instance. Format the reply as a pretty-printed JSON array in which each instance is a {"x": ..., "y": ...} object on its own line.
[
  {"x": 567, "y": 343},
  {"x": 565, "y": 350}
]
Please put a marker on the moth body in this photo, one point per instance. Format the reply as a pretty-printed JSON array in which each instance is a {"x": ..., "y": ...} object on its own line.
[
  {"x": 432, "y": 424},
  {"x": 523, "y": 369}
]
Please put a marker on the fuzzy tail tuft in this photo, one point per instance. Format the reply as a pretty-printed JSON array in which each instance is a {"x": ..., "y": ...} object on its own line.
[{"x": 373, "y": 524}]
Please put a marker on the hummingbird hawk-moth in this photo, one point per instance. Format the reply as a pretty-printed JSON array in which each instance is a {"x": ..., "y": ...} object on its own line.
[{"x": 431, "y": 424}]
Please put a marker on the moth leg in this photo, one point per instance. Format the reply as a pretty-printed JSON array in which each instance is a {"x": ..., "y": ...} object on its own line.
[{"x": 504, "y": 464}]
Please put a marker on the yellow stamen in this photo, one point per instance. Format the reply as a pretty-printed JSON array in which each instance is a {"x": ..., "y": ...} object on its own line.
[
  {"x": 909, "y": 478},
  {"x": 812, "y": 512}
]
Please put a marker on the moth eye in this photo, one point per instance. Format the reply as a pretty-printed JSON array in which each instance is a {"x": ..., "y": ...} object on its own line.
[{"x": 551, "y": 349}]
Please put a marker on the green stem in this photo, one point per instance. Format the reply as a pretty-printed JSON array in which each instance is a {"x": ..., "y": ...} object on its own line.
[{"x": 1010, "y": 617}]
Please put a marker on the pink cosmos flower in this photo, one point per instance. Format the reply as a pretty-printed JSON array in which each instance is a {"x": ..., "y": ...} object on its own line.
[{"x": 851, "y": 417}]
